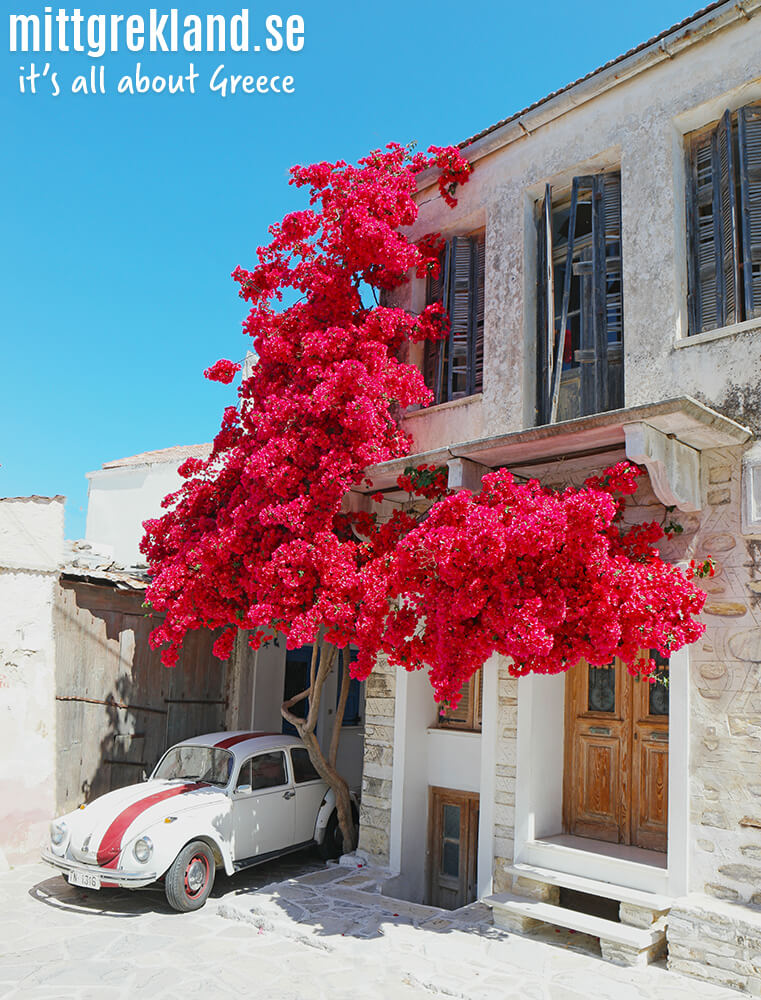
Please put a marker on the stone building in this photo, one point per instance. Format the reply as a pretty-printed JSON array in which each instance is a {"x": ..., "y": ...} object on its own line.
[{"x": 603, "y": 266}]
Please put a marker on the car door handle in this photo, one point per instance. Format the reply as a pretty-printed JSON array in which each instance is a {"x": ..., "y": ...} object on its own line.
[{"x": 289, "y": 794}]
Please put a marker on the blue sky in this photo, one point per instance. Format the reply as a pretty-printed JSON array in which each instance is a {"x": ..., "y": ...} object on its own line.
[{"x": 123, "y": 216}]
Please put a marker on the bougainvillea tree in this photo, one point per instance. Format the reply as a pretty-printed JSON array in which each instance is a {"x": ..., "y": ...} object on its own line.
[{"x": 258, "y": 538}]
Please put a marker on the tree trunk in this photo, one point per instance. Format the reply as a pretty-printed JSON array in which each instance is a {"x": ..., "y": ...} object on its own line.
[{"x": 325, "y": 767}]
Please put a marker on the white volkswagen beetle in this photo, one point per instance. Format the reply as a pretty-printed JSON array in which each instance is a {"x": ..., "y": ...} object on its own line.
[{"x": 230, "y": 799}]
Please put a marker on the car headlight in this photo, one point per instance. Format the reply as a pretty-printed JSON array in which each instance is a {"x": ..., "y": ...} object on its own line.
[
  {"x": 58, "y": 831},
  {"x": 143, "y": 849}
]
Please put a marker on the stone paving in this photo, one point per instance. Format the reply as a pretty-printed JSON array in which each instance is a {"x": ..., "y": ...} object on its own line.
[{"x": 292, "y": 930}]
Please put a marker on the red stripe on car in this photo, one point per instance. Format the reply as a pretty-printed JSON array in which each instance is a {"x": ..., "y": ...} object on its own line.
[
  {"x": 110, "y": 845},
  {"x": 231, "y": 741}
]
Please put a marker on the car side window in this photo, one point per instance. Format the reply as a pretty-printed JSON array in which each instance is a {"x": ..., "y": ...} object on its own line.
[
  {"x": 244, "y": 777},
  {"x": 303, "y": 768},
  {"x": 268, "y": 770}
]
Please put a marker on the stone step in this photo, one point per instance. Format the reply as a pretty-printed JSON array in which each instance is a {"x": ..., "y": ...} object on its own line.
[
  {"x": 636, "y": 897},
  {"x": 619, "y": 943}
]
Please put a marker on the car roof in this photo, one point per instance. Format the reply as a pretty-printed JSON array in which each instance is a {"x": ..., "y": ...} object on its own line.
[{"x": 241, "y": 743}]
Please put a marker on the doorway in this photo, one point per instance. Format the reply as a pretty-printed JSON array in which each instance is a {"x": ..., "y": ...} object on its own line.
[
  {"x": 615, "y": 785},
  {"x": 452, "y": 847}
]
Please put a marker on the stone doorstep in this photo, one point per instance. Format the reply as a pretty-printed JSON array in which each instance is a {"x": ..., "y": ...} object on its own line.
[
  {"x": 637, "y": 905},
  {"x": 619, "y": 943}
]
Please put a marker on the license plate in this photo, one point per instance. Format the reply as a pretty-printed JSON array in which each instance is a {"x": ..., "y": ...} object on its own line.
[{"x": 84, "y": 879}]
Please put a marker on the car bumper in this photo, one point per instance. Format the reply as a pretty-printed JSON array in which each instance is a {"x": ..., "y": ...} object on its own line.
[{"x": 108, "y": 876}]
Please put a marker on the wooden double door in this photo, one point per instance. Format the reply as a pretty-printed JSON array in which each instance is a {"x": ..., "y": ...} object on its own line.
[{"x": 616, "y": 756}]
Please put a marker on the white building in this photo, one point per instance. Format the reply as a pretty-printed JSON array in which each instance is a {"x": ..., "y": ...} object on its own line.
[{"x": 586, "y": 782}]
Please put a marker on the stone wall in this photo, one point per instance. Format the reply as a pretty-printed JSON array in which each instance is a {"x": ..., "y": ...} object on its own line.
[
  {"x": 375, "y": 811},
  {"x": 725, "y": 716},
  {"x": 714, "y": 933},
  {"x": 717, "y": 942}
]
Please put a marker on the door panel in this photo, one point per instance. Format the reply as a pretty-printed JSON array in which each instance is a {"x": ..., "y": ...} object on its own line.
[
  {"x": 615, "y": 784},
  {"x": 263, "y": 810},
  {"x": 598, "y": 780},
  {"x": 650, "y": 753},
  {"x": 310, "y": 790},
  {"x": 452, "y": 847}
]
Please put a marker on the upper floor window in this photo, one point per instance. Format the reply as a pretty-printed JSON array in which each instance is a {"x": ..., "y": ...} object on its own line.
[
  {"x": 467, "y": 715},
  {"x": 453, "y": 367},
  {"x": 724, "y": 221},
  {"x": 580, "y": 318}
]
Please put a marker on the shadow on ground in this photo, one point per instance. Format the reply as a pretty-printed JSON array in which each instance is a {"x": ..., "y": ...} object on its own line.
[{"x": 125, "y": 903}]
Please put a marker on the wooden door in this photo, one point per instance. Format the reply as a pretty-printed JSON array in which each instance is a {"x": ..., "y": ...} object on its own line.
[
  {"x": 117, "y": 707},
  {"x": 616, "y": 757},
  {"x": 650, "y": 764},
  {"x": 452, "y": 847}
]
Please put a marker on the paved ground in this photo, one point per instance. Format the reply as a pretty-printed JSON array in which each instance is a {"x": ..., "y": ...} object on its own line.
[{"x": 291, "y": 931}]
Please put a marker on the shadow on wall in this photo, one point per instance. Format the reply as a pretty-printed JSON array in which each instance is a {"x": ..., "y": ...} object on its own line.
[{"x": 117, "y": 707}]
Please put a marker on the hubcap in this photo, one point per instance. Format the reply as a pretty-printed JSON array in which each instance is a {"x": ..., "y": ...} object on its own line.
[{"x": 195, "y": 874}]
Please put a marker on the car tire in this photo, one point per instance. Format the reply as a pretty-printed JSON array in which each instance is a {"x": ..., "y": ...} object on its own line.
[
  {"x": 190, "y": 877},
  {"x": 331, "y": 845}
]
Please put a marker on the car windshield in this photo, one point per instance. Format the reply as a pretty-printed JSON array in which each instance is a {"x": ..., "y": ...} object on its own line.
[{"x": 208, "y": 764}]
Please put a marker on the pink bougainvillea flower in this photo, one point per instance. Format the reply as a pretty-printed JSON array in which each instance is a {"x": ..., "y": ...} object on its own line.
[{"x": 222, "y": 371}]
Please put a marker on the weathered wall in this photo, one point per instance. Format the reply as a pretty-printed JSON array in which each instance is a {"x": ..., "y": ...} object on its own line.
[
  {"x": 31, "y": 552},
  {"x": 637, "y": 126}
]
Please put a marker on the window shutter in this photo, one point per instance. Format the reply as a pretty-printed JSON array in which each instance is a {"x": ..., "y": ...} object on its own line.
[
  {"x": 702, "y": 232},
  {"x": 460, "y": 315},
  {"x": 565, "y": 303},
  {"x": 727, "y": 198},
  {"x": 543, "y": 373},
  {"x": 614, "y": 295},
  {"x": 749, "y": 149},
  {"x": 477, "y": 300},
  {"x": 433, "y": 367}
]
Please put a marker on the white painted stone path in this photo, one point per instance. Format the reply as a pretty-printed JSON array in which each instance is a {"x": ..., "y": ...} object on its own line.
[{"x": 291, "y": 930}]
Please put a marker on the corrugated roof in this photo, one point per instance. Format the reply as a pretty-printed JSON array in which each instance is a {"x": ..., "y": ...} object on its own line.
[
  {"x": 82, "y": 560},
  {"x": 177, "y": 453},
  {"x": 638, "y": 48}
]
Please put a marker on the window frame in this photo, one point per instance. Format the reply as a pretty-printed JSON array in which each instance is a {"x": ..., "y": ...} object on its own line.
[
  {"x": 727, "y": 271},
  {"x": 472, "y": 723},
  {"x": 439, "y": 367},
  {"x": 592, "y": 381},
  {"x": 248, "y": 763}
]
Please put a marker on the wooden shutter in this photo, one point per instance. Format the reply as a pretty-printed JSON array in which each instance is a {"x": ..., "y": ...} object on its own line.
[
  {"x": 703, "y": 236},
  {"x": 476, "y": 373},
  {"x": 433, "y": 367},
  {"x": 613, "y": 333},
  {"x": 460, "y": 317},
  {"x": 614, "y": 296},
  {"x": 749, "y": 157},
  {"x": 727, "y": 196},
  {"x": 543, "y": 363},
  {"x": 454, "y": 368}
]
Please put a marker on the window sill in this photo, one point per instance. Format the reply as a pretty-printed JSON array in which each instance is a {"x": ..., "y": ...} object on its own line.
[
  {"x": 748, "y": 326},
  {"x": 452, "y": 404},
  {"x": 438, "y": 730}
]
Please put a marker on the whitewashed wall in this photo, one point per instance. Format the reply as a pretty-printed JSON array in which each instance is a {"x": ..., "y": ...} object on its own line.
[
  {"x": 31, "y": 553},
  {"x": 120, "y": 499}
]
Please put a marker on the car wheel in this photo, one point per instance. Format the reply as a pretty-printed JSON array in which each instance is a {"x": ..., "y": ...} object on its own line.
[
  {"x": 332, "y": 842},
  {"x": 190, "y": 877}
]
